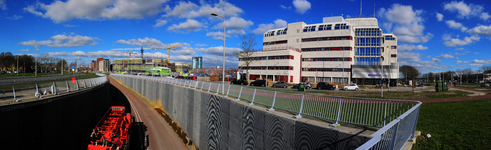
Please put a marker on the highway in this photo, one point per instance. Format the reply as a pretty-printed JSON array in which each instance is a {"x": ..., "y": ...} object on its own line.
[{"x": 161, "y": 136}]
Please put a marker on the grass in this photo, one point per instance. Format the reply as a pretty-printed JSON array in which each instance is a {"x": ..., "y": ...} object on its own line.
[
  {"x": 455, "y": 125},
  {"x": 47, "y": 82},
  {"x": 30, "y": 74},
  {"x": 403, "y": 95}
]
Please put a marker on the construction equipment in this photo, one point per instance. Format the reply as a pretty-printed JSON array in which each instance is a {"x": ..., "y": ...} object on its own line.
[
  {"x": 129, "y": 53},
  {"x": 168, "y": 48}
]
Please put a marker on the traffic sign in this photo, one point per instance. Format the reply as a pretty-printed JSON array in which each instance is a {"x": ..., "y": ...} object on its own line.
[{"x": 73, "y": 67}]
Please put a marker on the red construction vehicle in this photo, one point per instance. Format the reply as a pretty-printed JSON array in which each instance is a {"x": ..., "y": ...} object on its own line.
[{"x": 113, "y": 131}]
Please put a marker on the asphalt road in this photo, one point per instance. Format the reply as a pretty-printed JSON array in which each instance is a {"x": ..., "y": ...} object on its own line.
[{"x": 161, "y": 136}]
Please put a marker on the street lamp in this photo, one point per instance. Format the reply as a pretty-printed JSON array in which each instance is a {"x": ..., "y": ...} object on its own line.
[
  {"x": 223, "y": 67},
  {"x": 36, "y": 62}
]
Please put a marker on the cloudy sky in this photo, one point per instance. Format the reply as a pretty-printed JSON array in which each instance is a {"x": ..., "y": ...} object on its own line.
[{"x": 455, "y": 33}]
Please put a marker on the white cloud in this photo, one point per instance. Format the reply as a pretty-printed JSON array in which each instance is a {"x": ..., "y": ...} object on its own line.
[
  {"x": 460, "y": 53},
  {"x": 428, "y": 56},
  {"x": 191, "y": 10},
  {"x": 481, "y": 61},
  {"x": 235, "y": 23},
  {"x": 80, "y": 54},
  {"x": 60, "y": 11},
  {"x": 436, "y": 60},
  {"x": 69, "y": 25},
  {"x": 15, "y": 17},
  {"x": 461, "y": 62},
  {"x": 63, "y": 41},
  {"x": 455, "y": 25},
  {"x": 476, "y": 53},
  {"x": 464, "y": 10},
  {"x": 201, "y": 45},
  {"x": 457, "y": 42},
  {"x": 145, "y": 42},
  {"x": 439, "y": 16},
  {"x": 447, "y": 56},
  {"x": 217, "y": 35},
  {"x": 189, "y": 25},
  {"x": 278, "y": 23},
  {"x": 301, "y": 6},
  {"x": 476, "y": 64},
  {"x": 24, "y": 50},
  {"x": 3, "y": 5},
  {"x": 481, "y": 30},
  {"x": 485, "y": 16},
  {"x": 406, "y": 47},
  {"x": 284, "y": 7},
  {"x": 218, "y": 51},
  {"x": 460, "y": 49},
  {"x": 413, "y": 59},
  {"x": 405, "y": 22},
  {"x": 160, "y": 23}
]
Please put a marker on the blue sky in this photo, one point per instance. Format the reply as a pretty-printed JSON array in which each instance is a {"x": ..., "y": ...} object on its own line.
[{"x": 453, "y": 32}]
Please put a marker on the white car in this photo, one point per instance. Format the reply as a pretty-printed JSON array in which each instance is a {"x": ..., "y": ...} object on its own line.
[{"x": 351, "y": 86}]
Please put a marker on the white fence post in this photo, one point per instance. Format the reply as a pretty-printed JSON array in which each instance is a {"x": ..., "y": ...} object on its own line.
[
  {"x": 238, "y": 98},
  {"x": 253, "y": 96},
  {"x": 274, "y": 100},
  {"x": 228, "y": 90},
  {"x": 301, "y": 107},
  {"x": 339, "y": 113}
]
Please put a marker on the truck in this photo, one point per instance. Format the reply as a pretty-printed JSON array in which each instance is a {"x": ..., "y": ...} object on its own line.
[{"x": 158, "y": 71}]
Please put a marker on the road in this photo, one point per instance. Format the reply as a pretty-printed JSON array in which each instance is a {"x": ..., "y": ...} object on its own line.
[{"x": 161, "y": 136}]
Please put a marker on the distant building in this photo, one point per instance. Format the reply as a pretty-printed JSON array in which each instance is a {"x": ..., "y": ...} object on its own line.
[
  {"x": 216, "y": 71},
  {"x": 219, "y": 66},
  {"x": 104, "y": 65},
  {"x": 97, "y": 63},
  {"x": 197, "y": 62}
]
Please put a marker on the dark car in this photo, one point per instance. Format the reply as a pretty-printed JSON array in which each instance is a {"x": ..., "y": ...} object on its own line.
[
  {"x": 2, "y": 72},
  {"x": 258, "y": 83},
  {"x": 306, "y": 85},
  {"x": 324, "y": 85},
  {"x": 241, "y": 82},
  {"x": 280, "y": 84}
]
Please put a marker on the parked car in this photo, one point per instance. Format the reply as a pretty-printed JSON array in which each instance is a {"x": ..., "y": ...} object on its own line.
[
  {"x": 306, "y": 85},
  {"x": 484, "y": 84},
  {"x": 258, "y": 83},
  {"x": 351, "y": 86},
  {"x": 2, "y": 72},
  {"x": 325, "y": 85},
  {"x": 280, "y": 84},
  {"x": 241, "y": 82},
  {"x": 9, "y": 71}
]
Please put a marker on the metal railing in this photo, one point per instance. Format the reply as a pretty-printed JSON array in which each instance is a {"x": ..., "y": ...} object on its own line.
[
  {"x": 16, "y": 90},
  {"x": 396, "y": 117}
]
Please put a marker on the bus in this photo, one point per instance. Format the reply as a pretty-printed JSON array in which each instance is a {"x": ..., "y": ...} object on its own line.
[{"x": 158, "y": 71}]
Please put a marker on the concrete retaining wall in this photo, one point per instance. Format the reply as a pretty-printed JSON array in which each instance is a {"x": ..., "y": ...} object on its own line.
[
  {"x": 214, "y": 122},
  {"x": 62, "y": 122}
]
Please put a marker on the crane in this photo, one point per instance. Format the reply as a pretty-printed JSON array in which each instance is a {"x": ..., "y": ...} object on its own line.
[
  {"x": 129, "y": 53},
  {"x": 168, "y": 56}
]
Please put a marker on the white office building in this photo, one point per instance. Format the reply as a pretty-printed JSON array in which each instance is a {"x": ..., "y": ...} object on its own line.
[{"x": 336, "y": 50}]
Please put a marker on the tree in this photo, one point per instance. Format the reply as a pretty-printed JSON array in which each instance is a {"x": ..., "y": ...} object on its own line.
[
  {"x": 468, "y": 72},
  {"x": 59, "y": 63},
  {"x": 409, "y": 72},
  {"x": 247, "y": 43}
]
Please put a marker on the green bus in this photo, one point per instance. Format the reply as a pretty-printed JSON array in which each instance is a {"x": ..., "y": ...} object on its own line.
[{"x": 158, "y": 71}]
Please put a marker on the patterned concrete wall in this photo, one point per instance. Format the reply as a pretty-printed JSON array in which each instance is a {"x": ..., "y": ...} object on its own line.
[{"x": 213, "y": 122}]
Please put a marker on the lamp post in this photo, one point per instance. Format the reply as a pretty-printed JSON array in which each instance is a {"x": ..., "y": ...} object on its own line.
[
  {"x": 382, "y": 75},
  {"x": 36, "y": 62},
  {"x": 223, "y": 67}
]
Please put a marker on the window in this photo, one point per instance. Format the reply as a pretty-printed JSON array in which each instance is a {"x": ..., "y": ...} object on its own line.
[
  {"x": 270, "y": 33},
  {"x": 341, "y": 26},
  {"x": 325, "y": 27},
  {"x": 368, "y": 32},
  {"x": 281, "y": 32},
  {"x": 327, "y": 49},
  {"x": 393, "y": 55},
  {"x": 393, "y": 47},
  {"x": 327, "y": 38},
  {"x": 390, "y": 38},
  {"x": 368, "y": 42},
  {"x": 309, "y": 29}
]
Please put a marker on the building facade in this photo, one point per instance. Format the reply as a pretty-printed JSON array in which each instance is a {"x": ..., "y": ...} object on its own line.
[
  {"x": 104, "y": 65},
  {"x": 197, "y": 62},
  {"x": 337, "y": 50}
]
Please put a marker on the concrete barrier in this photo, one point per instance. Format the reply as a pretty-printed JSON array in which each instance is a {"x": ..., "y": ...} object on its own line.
[{"x": 215, "y": 122}]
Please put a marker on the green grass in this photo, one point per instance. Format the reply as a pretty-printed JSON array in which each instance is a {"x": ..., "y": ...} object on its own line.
[
  {"x": 455, "y": 125},
  {"x": 47, "y": 83},
  {"x": 30, "y": 74}
]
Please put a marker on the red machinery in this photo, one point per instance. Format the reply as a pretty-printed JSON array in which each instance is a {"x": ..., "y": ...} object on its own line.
[{"x": 112, "y": 132}]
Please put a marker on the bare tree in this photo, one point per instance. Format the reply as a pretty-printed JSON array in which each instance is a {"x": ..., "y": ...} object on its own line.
[
  {"x": 468, "y": 72},
  {"x": 248, "y": 41}
]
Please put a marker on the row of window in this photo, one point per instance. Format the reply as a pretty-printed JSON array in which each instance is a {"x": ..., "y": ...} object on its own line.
[
  {"x": 327, "y": 69},
  {"x": 281, "y": 32},
  {"x": 269, "y": 57},
  {"x": 367, "y": 52},
  {"x": 327, "y": 38},
  {"x": 327, "y": 59},
  {"x": 367, "y": 61},
  {"x": 271, "y": 68},
  {"x": 275, "y": 42},
  {"x": 368, "y": 42},
  {"x": 390, "y": 38},
  {"x": 270, "y": 33},
  {"x": 327, "y": 49},
  {"x": 368, "y": 32},
  {"x": 324, "y": 79},
  {"x": 326, "y": 27}
]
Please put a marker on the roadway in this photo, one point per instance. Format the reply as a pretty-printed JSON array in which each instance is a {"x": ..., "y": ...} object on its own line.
[{"x": 161, "y": 136}]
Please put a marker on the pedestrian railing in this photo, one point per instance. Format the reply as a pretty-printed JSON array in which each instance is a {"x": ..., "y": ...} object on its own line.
[
  {"x": 397, "y": 118},
  {"x": 18, "y": 89}
]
